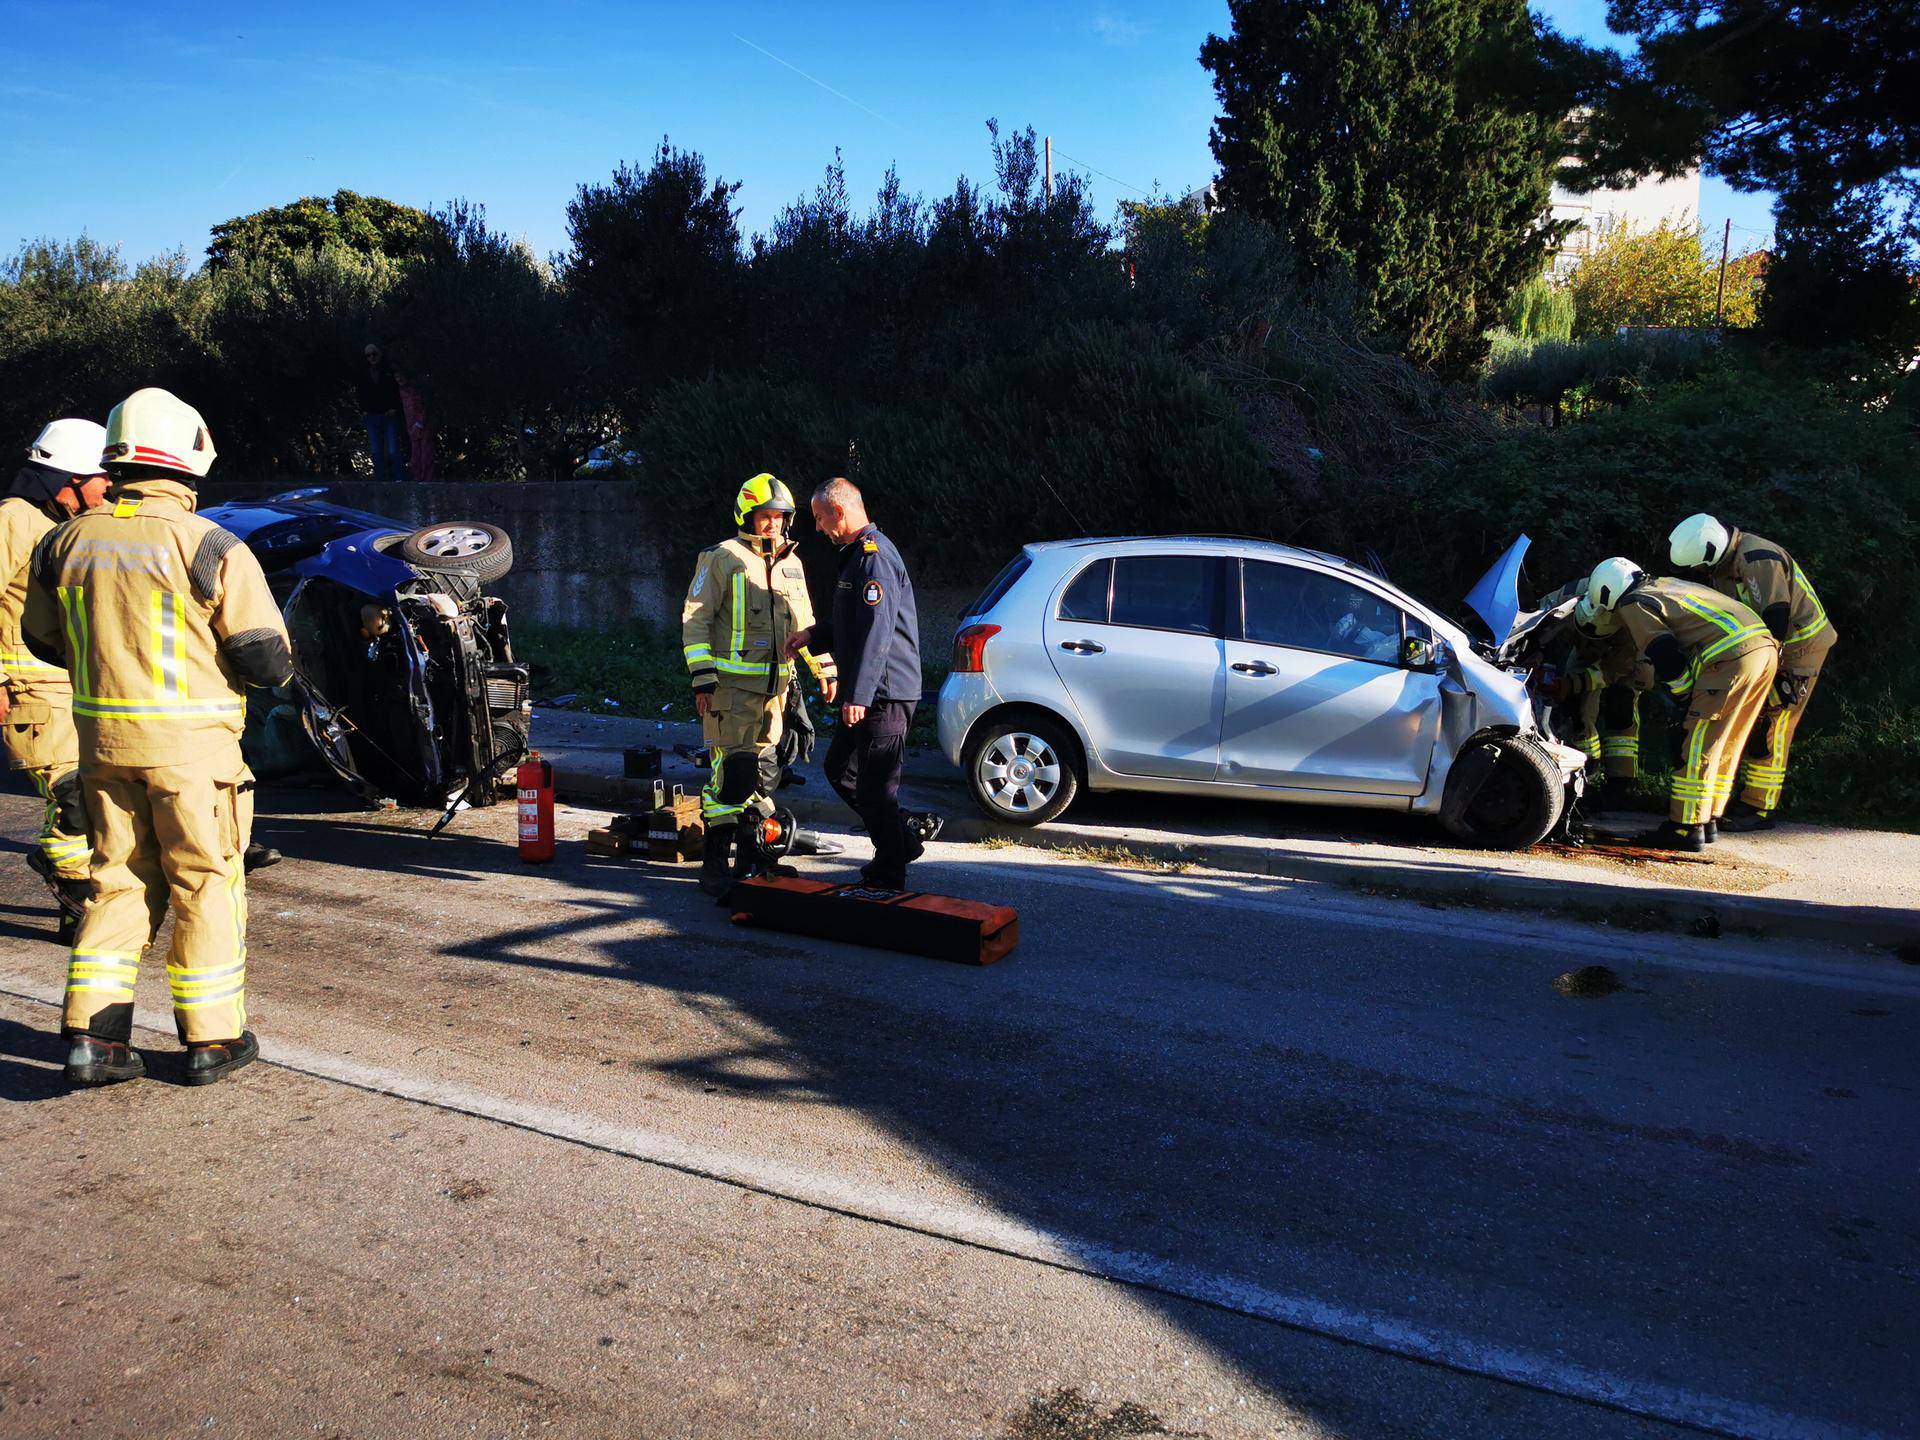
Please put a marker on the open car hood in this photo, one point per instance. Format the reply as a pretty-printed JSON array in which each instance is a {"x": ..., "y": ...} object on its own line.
[{"x": 1495, "y": 597}]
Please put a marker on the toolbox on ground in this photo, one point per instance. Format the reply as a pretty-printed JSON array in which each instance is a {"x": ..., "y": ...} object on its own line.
[
  {"x": 671, "y": 829},
  {"x": 937, "y": 926}
]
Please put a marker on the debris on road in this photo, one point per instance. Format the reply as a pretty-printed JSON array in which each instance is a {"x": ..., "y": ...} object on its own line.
[{"x": 1589, "y": 982}]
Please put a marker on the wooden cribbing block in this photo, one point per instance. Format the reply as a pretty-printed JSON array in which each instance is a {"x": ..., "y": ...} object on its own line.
[{"x": 937, "y": 926}]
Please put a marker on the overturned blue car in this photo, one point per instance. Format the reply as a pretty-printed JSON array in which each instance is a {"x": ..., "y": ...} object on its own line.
[{"x": 404, "y": 676}]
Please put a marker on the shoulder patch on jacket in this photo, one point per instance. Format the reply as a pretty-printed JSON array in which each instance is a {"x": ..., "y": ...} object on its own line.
[
  {"x": 870, "y": 547},
  {"x": 204, "y": 573},
  {"x": 872, "y": 594}
]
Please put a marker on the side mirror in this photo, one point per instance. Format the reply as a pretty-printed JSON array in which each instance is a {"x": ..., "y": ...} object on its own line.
[{"x": 1420, "y": 653}]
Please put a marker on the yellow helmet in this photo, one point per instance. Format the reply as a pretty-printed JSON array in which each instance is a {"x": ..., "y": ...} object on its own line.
[
  {"x": 762, "y": 492},
  {"x": 153, "y": 429}
]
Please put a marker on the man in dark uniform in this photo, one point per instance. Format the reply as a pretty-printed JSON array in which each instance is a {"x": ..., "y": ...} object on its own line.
[{"x": 873, "y": 633}]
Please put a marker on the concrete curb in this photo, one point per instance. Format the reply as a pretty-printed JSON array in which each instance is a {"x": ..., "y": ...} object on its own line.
[{"x": 1684, "y": 912}]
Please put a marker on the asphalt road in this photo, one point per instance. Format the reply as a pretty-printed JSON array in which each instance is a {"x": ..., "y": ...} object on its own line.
[{"x": 558, "y": 1150}]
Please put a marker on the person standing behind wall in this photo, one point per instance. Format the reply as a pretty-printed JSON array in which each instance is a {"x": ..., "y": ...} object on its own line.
[
  {"x": 380, "y": 407},
  {"x": 873, "y": 632},
  {"x": 413, "y": 408}
]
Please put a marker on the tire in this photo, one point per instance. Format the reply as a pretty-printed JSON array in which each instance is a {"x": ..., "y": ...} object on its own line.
[
  {"x": 1518, "y": 803},
  {"x": 1038, "y": 748},
  {"x": 460, "y": 547}
]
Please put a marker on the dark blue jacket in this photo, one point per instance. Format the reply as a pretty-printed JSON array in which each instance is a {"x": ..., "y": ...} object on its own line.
[{"x": 873, "y": 629}]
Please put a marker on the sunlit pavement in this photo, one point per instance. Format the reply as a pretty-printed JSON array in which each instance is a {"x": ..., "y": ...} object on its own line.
[{"x": 558, "y": 1149}]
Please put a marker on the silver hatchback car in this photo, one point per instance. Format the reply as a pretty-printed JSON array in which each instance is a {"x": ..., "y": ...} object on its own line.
[{"x": 1243, "y": 668}]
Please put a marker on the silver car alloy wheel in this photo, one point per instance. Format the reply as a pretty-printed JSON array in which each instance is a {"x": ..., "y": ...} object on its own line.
[
  {"x": 454, "y": 542},
  {"x": 1018, "y": 772}
]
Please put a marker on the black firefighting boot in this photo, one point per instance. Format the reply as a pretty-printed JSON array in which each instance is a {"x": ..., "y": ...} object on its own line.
[
  {"x": 1614, "y": 795},
  {"x": 1741, "y": 818},
  {"x": 259, "y": 857},
  {"x": 1710, "y": 831},
  {"x": 93, "y": 1061},
  {"x": 1674, "y": 836},
  {"x": 715, "y": 880},
  {"x": 207, "y": 1063}
]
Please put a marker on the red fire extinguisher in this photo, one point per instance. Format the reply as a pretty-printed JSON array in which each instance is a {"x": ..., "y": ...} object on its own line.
[{"x": 534, "y": 782}]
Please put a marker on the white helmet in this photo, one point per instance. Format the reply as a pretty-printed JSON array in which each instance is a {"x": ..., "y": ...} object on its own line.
[
  {"x": 1594, "y": 623},
  {"x": 1610, "y": 580},
  {"x": 1696, "y": 541},
  {"x": 72, "y": 447},
  {"x": 151, "y": 427}
]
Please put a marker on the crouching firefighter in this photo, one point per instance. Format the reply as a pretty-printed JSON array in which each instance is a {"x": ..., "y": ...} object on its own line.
[
  {"x": 1769, "y": 581},
  {"x": 1604, "y": 678},
  {"x": 61, "y": 478},
  {"x": 1711, "y": 651},
  {"x": 749, "y": 594},
  {"x": 162, "y": 619}
]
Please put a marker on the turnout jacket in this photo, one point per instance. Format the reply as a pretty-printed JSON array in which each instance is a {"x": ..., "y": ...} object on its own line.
[
  {"x": 1769, "y": 581},
  {"x": 1684, "y": 629},
  {"x": 161, "y": 618},
  {"x": 748, "y": 595},
  {"x": 23, "y": 525},
  {"x": 873, "y": 629}
]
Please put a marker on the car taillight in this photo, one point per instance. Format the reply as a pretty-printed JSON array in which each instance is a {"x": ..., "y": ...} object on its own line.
[{"x": 970, "y": 649}]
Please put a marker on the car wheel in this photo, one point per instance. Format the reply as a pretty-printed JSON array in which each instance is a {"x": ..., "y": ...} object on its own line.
[
  {"x": 1022, "y": 771},
  {"x": 463, "y": 547},
  {"x": 1516, "y": 798}
]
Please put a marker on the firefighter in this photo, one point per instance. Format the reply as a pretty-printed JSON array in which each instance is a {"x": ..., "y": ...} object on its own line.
[
  {"x": 61, "y": 478},
  {"x": 748, "y": 596},
  {"x": 1768, "y": 581},
  {"x": 1715, "y": 652},
  {"x": 162, "y": 619},
  {"x": 1607, "y": 678}
]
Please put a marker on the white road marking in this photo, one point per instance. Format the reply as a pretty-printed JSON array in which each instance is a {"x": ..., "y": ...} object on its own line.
[{"x": 984, "y": 1230}]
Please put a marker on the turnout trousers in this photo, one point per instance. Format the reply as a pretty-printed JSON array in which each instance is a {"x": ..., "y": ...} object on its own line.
[
  {"x": 1727, "y": 700},
  {"x": 741, "y": 730},
  {"x": 1609, "y": 729},
  {"x": 1763, "y": 775},
  {"x": 863, "y": 766},
  {"x": 40, "y": 740},
  {"x": 165, "y": 834}
]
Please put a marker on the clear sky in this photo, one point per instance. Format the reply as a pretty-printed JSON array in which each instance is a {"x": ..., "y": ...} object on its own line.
[{"x": 144, "y": 124}]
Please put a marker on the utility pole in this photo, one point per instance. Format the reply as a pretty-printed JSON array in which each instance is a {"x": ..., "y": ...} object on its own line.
[
  {"x": 1720, "y": 291},
  {"x": 1049, "y": 189}
]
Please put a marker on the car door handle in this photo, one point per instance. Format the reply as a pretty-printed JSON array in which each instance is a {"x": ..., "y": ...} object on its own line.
[
  {"x": 1257, "y": 667},
  {"x": 1082, "y": 647}
]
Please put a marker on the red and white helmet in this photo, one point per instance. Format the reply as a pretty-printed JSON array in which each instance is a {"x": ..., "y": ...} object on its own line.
[
  {"x": 70, "y": 447},
  {"x": 155, "y": 429}
]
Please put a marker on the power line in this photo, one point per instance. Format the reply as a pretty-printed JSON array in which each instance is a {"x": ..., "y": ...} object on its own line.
[
  {"x": 817, "y": 81},
  {"x": 1101, "y": 173}
]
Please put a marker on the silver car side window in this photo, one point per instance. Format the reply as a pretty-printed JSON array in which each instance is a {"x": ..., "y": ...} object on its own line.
[
  {"x": 1087, "y": 596},
  {"x": 1165, "y": 592},
  {"x": 1306, "y": 610}
]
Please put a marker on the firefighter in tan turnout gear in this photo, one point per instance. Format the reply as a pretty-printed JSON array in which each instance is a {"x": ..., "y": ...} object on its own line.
[
  {"x": 1715, "y": 652},
  {"x": 748, "y": 595},
  {"x": 1767, "y": 579},
  {"x": 1604, "y": 677},
  {"x": 61, "y": 478},
  {"x": 162, "y": 619}
]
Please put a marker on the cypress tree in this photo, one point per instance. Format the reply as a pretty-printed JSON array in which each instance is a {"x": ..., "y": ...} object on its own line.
[{"x": 1392, "y": 142}]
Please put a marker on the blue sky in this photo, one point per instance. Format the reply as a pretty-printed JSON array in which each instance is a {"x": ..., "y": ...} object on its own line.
[{"x": 145, "y": 124}]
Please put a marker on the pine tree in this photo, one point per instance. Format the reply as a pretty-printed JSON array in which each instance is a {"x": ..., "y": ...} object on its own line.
[{"x": 1391, "y": 143}]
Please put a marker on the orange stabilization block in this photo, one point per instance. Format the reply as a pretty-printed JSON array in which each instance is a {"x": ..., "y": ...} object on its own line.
[{"x": 937, "y": 926}]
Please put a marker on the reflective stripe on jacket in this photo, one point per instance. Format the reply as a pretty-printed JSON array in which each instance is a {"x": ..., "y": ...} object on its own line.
[
  {"x": 748, "y": 595},
  {"x": 23, "y": 525},
  {"x": 1769, "y": 581},
  {"x": 163, "y": 619},
  {"x": 1708, "y": 627}
]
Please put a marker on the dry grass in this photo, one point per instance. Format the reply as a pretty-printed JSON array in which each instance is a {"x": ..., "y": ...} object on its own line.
[{"x": 1116, "y": 855}]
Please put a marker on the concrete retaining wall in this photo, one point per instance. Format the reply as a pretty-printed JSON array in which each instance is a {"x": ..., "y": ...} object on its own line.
[{"x": 586, "y": 553}]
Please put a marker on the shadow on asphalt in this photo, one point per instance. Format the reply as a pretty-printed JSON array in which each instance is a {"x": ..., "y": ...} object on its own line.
[{"x": 30, "y": 1063}]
